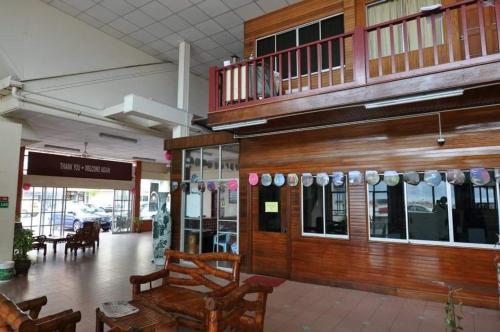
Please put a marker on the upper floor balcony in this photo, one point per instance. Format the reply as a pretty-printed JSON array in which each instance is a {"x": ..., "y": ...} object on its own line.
[{"x": 436, "y": 49}]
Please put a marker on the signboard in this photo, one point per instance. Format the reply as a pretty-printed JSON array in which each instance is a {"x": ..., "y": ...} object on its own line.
[
  {"x": 75, "y": 167},
  {"x": 271, "y": 207},
  {"x": 4, "y": 202}
]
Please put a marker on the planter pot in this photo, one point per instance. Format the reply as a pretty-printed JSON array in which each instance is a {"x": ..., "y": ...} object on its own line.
[
  {"x": 22, "y": 267},
  {"x": 6, "y": 270}
]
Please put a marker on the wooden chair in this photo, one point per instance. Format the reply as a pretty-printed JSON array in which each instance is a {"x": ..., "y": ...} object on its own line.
[
  {"x": 39, "y": 243},
  {"x": 23, "y": 317},
  {"x": 221, "y": 306},
  {"x": 83, "y": 238}
]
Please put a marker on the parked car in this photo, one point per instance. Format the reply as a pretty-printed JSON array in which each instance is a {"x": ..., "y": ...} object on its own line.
[{"x": 77, "y": 214}]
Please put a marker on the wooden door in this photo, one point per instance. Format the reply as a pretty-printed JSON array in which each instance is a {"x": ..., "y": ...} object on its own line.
[{"x": 270, "y": 230}]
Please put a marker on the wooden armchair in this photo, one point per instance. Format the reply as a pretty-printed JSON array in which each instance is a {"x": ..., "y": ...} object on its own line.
[
  {"x": 39, "y": 243},
  {"x": 14, "y": 317},
  {"x": 204, "y": 297},
  {"x": 83, "y": 238}
]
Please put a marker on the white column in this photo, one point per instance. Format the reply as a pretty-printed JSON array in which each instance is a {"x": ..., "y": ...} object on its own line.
[
  {"x": 10, "y": 143},
  {"x": 183, "y": 89}
]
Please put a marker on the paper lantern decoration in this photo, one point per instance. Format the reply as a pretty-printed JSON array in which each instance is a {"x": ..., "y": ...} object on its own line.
[
  {"x": 479, "y": 176},
  {"x": 253, "y": 179},
  {"x": 197, "y": 162},
  {"x": 211, "y": 186},
  {"x": 26, "y": 186},
  {"x": 432, "y": 178},
  {"x": 232, "y": 185},
  {"x": 372, "y": 177},
  {"x": 266, "y": 179},
  {"x": 201, "y": 186},
  {"x": 497, "y": 174},
  {"x": 307, "y": 179},
  {"x": 338, "y": 179},
  {"x": 322, "y": 179},
  {"x": 184, "y": 186},
  {"x": 194, "y": 178},
  {"x": 391, "y": 178},
  {"x": 174, "y": 185},
  {"x": 411, "y": 177},
  {"x": 455, "y": 176},
  {"x": 279, "y": 180},
  {"x": 355, "y": 178},
  {"x": 168, "y": 155},
  {"x": 132, "y": 191},
  {"x": 292, "y": 179}
]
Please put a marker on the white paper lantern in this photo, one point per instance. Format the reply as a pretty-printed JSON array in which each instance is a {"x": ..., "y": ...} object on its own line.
[{"x": 391, "y": 178}]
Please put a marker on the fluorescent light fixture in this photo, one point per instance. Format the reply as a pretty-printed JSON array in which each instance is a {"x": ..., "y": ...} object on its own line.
[
  {"x": 121, "y": 138},
  {"x": 413, "y": 99},
  {"x": 144, "y": 159},
  {"x": 64, "y": 148},
  {"x": 240, "y": 124}
]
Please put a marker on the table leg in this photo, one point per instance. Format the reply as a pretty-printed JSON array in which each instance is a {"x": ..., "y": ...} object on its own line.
[
  {"x": 54, "y": 245},
  {"x": 99, "y": 326}
]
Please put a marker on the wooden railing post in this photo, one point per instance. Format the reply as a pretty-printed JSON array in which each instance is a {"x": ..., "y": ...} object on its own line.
[
  {"x": 213, "y": 88},
  {"x": 359, "y": 55}
]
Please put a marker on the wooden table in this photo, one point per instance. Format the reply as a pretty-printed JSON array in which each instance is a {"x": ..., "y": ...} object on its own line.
[
  {"x": 148, "y": 319},
  {"x": 55, "y": 240}
]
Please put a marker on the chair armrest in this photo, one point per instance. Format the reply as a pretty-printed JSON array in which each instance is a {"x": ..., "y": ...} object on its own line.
[
  {"x": 223, "y": 290},
  {"x": 34, "y": 306},
  {"x": 143, "y": 279},
  {"x": 58, "y": 322},
  {"x": 213, "y": 303}
]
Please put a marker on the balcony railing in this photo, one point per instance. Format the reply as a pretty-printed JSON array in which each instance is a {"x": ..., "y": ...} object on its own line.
[{"x": 447, "y": 38}]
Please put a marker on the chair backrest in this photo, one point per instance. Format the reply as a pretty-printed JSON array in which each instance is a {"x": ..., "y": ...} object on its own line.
[
  {"x": 196, "y": 276},
  {"x": 12, "y": 318}
]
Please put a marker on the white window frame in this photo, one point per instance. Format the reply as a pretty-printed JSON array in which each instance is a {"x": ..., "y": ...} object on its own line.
[
  {"x": 325, "y": 235},
  {"x": 451, "y": 242}
]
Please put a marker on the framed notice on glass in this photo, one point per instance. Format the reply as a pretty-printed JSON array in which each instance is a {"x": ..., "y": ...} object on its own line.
[{"x": 271, "y": 207}]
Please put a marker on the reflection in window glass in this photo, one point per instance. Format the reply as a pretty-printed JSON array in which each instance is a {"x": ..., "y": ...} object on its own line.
[
  {"x": 228, "y": 203},
  {"x": 211, "y": 162},
  {"x": 192, "y": 205},
  {"x": 269, "y": 216},
  {"x": 192, "y": 164},
  {"x": 312, "y": 209},
  {"x": 428, "y": 211},
  {"x": 336, "y": 209},
  {"x": 153, "y": 193},
  {"x": 475, "y": 212},
  {"x": 386, "y": 210},
  {"x": 230, "y": 161}
]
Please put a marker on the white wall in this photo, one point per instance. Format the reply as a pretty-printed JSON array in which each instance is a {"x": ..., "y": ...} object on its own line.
[
  {"x": 37, "y": 41},
  {"x": 10, "y": 143}
]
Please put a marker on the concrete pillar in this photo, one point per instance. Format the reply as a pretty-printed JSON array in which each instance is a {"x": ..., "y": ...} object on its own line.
[
  {"x": 10, "y": 144},
  {"x": 183, "y": 89}
]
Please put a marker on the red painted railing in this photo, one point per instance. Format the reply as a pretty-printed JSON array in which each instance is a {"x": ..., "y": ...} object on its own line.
[{"x": 446, "y": 38}]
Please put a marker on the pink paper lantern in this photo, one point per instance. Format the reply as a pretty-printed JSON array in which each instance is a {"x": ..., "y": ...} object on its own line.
[
  {"x": 168, "y": 155},
  {"x": 253, "y": 179},
  {"x": 232, "y": 185},
  {"x": 26, "y": 186},
  {"x": 132, "y": 190}
]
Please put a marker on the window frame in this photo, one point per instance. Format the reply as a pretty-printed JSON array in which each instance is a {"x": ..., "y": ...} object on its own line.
[
  {"x": 296, "y": 28},
  {"x": 451, "y": 242},
  {"x": 325, "y": 234}
]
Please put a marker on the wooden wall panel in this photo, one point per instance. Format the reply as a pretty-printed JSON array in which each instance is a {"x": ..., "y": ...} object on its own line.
[
  {"x": 176, "y": 199},
  {"x": 400, "y": 269}
]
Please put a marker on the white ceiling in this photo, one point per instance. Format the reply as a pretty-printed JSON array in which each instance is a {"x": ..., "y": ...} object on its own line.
[{"x": 214, "y": 28}]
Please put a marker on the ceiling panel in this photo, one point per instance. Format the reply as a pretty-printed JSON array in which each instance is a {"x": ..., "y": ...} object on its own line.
[{"x": 156, "y": 27}]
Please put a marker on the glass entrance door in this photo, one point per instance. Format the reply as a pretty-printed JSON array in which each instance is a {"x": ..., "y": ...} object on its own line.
[{"x": 122, "y": 212}]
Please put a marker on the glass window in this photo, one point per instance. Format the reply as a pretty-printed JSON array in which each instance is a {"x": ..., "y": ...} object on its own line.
[
  {"x": 475, "y": 212},
  {"x": 336, "y": 209},
  {"x": 192, "y": 164},
  {"x": 285, "y": 41},
  {"x": 153, "y": 194},
  {"x": 228, "y": 203},
  {"x": 230, "y": 161},
  {"x": 211, "y": 162},
  {"x": 331, "y": 27},
  {"x": 386, "y": 210},
  {"x": 428, "y": 211},
  {"x": 266, "y": 46},
  {"x": 312, "y": 209},
  {"x": 308, "y": 34},
  {"x": 269, "y": 209}
]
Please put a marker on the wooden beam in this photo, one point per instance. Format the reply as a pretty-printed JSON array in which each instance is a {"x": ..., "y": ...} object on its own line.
[{"x": 199, "y": 140}]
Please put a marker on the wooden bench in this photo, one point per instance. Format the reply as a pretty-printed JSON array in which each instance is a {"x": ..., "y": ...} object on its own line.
[
  {"x": 23, "y": 317},
  {"x": 204, "y": 297}
]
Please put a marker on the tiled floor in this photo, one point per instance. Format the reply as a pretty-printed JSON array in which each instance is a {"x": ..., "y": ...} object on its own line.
[{"x": 88, "y": 280}]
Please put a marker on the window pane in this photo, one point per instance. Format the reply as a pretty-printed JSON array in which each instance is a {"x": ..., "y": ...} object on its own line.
[
  {"x": 265, "y": 46},
  {"x": 312, "y": 209},
  {"x": 230, "y": 161},
  {"x": 308, "y": 34},
  {"x": 428, "y": 211},
  {"x": 386, "y": 209},
  {"x": 192, "y": 204},
  {"x": 475, "y": 212},
  {"x": 228, "y": 203},
  {"x": 192, "y": 162},
  {"x": 331, "y": 27},
  {"x": 336, "y": 209},
  {"x": 211, "y": 162},
  {"x": 269, "y": 209},
  {"x": 285, "y": 41}
]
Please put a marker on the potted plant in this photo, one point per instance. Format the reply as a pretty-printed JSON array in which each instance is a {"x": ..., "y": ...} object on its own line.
[
  {"x": 23, "y": 242},
  {"x": 137, "y": 224}
]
